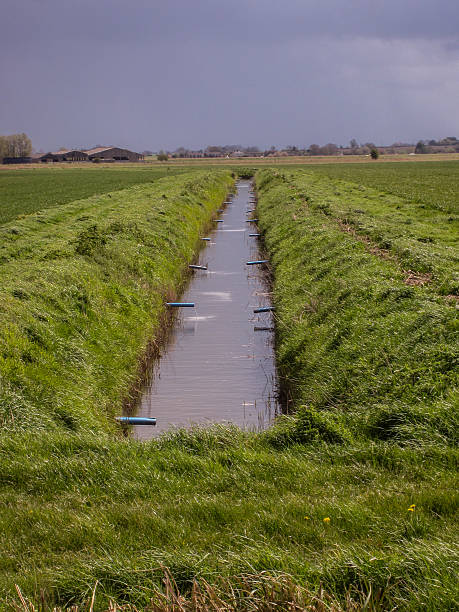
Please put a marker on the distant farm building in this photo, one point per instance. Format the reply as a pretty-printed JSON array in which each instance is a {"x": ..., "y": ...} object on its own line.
[
  {"x": 107, "y": 154},
  {"x": 112, "y": 154},
  {"x": 60, "y": 156}
]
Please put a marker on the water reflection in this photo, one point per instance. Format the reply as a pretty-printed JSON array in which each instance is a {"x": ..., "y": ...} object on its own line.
[{"x": 217, "y": 367}]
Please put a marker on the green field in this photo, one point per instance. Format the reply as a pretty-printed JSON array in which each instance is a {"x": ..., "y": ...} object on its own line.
[
  {"x": 348, "y": 503},
  {"x": 422, "y": 239},
  {"x": 432, "y": 184},
  {"x": 25, "y": 191}
]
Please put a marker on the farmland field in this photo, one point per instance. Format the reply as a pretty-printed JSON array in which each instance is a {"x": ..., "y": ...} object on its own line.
[
  {"x": 309, "y": 161},
  {"x": 423, "y": 238},
  {"x": 25, "y": 191},
  {"x": 431, "y": 184},
  {"x": 348, "y": 502}
]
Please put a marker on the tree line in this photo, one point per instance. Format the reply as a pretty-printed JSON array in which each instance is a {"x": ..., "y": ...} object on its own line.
[
  {"x": 445, "y": 145},
  {"x": 15, "y": 145}
]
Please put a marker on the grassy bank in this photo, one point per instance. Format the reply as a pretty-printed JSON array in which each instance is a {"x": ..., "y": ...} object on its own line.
[
  {"x": 83, "y": 292},
  {"x": 355, "y": 340},
  {"x": 348, "y": 505}
]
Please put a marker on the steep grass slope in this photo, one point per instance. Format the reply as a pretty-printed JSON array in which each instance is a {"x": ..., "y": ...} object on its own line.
[
  {"x": 83, "y": 288},
  {"x": 423, "y": 240},
  {"x": 376, "y": 356}
]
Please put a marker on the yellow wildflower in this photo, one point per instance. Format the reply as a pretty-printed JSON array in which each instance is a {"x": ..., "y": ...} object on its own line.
[
  {"x": 410, "y": 509},
  {"x": 327, "y": 519},
  {"x": 307, "y": 518}
]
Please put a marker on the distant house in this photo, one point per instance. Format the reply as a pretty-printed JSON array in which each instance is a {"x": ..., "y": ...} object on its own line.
[
  {"x": 208, "y": 153},
  {"x": 112, "y": 154}
]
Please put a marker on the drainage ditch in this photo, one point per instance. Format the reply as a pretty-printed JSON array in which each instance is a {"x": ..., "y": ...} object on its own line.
[{"x": 218, "y": 364}]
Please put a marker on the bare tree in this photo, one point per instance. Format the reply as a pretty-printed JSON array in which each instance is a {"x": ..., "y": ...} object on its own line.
[
  {"x": 329, "y": 149},
  {"x": 15, "y": 145},
  {"x": 2, "y": 147},
  {"x": 354, "y": 144}
]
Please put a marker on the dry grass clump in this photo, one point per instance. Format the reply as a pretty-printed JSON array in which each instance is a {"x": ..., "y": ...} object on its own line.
[{"x": 249, "y": 593}]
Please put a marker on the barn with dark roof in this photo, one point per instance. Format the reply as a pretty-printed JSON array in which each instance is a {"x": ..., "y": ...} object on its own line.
[
  {"x": 68, "y": 155},
  {"x": 109, "y": 154},
  {"x": 112, "y": 154}
]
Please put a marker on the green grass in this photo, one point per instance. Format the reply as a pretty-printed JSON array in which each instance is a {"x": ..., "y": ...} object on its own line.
[
  {"x": 25, "y": 191},
  {"x": 353, "y": 340},
  {"x": 427, "y": 184},
  {"x": 422, "y": 239},
  {"x": 369, "y": 365},
  {"x": 223, "y": 503},
  {"x": 83, "y": 287}
]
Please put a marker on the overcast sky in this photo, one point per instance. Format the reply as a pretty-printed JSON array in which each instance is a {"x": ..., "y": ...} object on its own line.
[{"x": 152, "y": 74}]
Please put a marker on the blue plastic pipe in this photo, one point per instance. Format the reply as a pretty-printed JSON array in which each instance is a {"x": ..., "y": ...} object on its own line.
[
  {"x": 264, "y": 309},
  {"x": 180, "y": 304},
  {"x": 206, "y": 239},
  {"x": 254, "y": 234},
  {"x": 136, "y": 420},
  {"x": 195, "y": 267},
  {"x": 259, "y": 261},
  {"x": 218, "y": 220}
]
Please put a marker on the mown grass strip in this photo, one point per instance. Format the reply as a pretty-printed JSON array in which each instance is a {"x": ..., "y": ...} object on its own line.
[
  {"x": 424, "y": 240},
  {"x": 433, "y": 184}
]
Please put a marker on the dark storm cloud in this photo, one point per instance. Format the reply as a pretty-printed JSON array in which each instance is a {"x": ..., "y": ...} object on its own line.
[
  {"x": 260, "y": 21},
  {"x": 160, "y": 74}
]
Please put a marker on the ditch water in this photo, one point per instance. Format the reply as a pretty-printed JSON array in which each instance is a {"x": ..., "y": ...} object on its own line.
[{"x": 218, "y": 365}]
